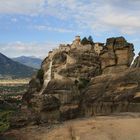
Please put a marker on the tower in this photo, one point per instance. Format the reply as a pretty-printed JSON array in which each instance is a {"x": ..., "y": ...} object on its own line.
[{"x": 76, "y": 42}]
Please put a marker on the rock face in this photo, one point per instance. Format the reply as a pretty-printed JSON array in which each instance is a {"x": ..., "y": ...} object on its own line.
[
  {"x": 75, "y": 80},
  {"x": 59, "y": 103},
  {"x": 112, "y": 93},
  {"x": 82, "y": 62},
  {"x": 84, "y": 65},
  {"x": 65, "y": 73},
  {"x": 136, "y": 63},
  {"x": 117, "y": 56}
]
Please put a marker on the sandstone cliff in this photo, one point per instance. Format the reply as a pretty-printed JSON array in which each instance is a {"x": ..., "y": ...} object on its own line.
[
  {"x": 81, "y": 80},
  {"x": 112, "y": 93},
  {"x": 117, "y": 56},
  {"x": 55, "y": 93}
]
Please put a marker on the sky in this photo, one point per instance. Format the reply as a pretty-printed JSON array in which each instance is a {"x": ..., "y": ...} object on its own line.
[{"x": 34, "y": 27}]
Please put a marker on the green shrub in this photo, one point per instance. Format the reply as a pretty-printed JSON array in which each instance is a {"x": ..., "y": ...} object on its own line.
[
  {"x": 82, "y": 83},
  {"x": 4, "y": 126},
  {"x": 4, "y": 120},
  {"x": 40, "y": 75}
]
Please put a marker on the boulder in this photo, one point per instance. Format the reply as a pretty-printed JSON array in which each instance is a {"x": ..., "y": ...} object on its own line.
[{"x": 34, "y": 87}]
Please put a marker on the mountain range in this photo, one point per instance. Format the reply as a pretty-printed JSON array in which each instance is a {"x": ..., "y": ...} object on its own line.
[
  {"x": 29, "y": 61},
  {"x": 13, "y": 69}
]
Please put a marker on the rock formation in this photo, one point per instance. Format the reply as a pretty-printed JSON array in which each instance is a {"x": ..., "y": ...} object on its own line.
[
  {"x": 47, "y": 77},
  {"x": 117, "y": 56},
  {"x": 98, "y": 47},
  {"x": 112, "y": 93},
  {"x": 65, "y": 73},
  {"x": 136, "y": 63},
  {"x": 76, "y": 80}
]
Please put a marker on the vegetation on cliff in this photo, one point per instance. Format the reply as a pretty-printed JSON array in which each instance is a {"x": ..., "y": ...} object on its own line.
[
  {"x": 86, "y": 40},
  {"x": 5, "y": 119},
  {"x": 40, "y": 75}
]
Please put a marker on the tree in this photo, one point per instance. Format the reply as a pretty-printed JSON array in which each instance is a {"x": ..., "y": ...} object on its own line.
[
  {"x": 90, "y": 40},
  {"x": 40, "y": 75},
  {"x": 85, "y": 41}
]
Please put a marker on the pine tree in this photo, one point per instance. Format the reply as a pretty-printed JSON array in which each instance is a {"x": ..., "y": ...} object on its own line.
[
  {"x": 90, "y": 40},
  {"x": 85, "y": 41}
]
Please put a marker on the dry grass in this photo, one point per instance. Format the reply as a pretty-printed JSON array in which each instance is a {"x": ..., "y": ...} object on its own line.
[{"x": 14, "y": 81}]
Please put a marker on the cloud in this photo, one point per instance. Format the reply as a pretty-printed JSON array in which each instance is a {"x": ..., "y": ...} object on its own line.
[
  {"x": 25, "y": 7},
  {"x": 29, "y": 49},
  {"x": 49, "y": 28},
  {"x": 14, "y": 20},
  {"x": 66, "y": 16},
  {"x": 97, "y": 16}
]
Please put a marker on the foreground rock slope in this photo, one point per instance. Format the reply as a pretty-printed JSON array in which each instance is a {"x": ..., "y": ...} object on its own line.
[{"x": 117, "y": 127}]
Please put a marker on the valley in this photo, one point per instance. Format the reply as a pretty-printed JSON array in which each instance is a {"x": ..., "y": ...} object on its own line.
[
  {"x": 11, "y": 92},
  {"x": 15, "y": 87},
  {"x": 69, "y": 70}
]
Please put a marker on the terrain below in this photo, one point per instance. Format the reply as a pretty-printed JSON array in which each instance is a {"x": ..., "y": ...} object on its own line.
[{"x": 123, "y": 126}]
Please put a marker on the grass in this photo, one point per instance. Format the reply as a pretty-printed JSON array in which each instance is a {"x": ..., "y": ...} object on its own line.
[{"x": 4, "y": 119}]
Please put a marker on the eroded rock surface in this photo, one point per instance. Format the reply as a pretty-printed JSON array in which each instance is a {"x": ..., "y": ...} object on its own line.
[
  {"x": 112, "y": 93},
  {"x": 65, "y": 73},
  {"x": 59, "y": 102},
  {"x": 76, "y": 81},
  {"x": 136, "y": 63},
  {"x": 117, "y": 56}
]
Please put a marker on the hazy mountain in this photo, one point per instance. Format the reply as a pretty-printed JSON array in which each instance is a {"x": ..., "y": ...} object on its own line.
[
  {"x": 29, "y": 61},
  {"x": 14, "y": 69}
]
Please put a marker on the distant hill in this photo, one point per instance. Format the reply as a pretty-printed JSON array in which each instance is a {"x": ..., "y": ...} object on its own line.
[
  {"x": 10, "y": 68},
  {"x": 29, "y": 61}
]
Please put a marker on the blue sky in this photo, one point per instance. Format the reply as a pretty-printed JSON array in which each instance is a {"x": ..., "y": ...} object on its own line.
[{"x": 33, "y": 27}]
